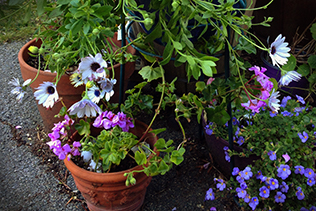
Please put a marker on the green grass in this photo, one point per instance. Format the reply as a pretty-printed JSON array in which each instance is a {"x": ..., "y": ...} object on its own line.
[{"x": 17, "y": 22}]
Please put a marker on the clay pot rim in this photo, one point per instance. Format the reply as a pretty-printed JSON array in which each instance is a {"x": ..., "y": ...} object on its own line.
[
  {"x": 106, "y": 177},
  {"x": 32, "y": 69}
]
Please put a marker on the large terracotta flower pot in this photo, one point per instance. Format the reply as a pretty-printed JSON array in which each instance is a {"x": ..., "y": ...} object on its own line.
[
  {"x": 107, "y": 191},
  {"x": 216, "y": 145},
  {"x": 66, "y": 91}
]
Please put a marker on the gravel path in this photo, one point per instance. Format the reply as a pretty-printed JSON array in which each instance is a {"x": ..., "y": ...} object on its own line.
[{"x": 27, "y": 182}]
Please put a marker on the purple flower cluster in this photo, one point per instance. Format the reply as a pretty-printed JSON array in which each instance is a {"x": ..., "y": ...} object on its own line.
[
  {"x": 109, "y": 120},
  {"x": 59, "y": 133}
]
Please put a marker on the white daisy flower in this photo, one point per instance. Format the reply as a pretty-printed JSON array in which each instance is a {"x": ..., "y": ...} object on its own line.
[
  {"x": 289, "y": 77},
  {"x": 108, "y": 95},
  {"x": 274, "y": 104},
  {"x": 86, "y": 155},
  {"x": 95, "y": 94},
  {"x": 19, "y": 90},
  {"x": 107, "y": 84},
  {"x": 279, "y": 51},
  {"x": 85, "y": 107},
  {"x": 46, "y": 94},
  {"x": 92, "y": 67},
  {"x": 76, "y": 79}
]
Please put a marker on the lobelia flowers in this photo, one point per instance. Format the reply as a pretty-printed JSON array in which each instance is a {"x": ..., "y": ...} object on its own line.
[{"x": 283, "y": 175}]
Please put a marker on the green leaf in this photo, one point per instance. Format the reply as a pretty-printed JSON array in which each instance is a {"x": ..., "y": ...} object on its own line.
[
  {"x": 140, "y": 158},
  {"x": 167, "y": 53},
  {"x": 177, "y": 45},
  {"x": 200, "y": 85},
  {"x": 290, "y": 65},
  {"x": 177, "y": 156},
  {"x": 312, "y": 61},
  {"x": 15, "y": 2},
  {"x": 156, "y": 33},
  {"x": 303, "y": 69},
  {"x": 83, "y": 127},
  {"x": 157, "y": 131},
  {"x": 86, "y": 28},
  {"x": 163, "y": 167},
  {"x": 40, "y": 7},
  {"x": 207, "y": 67},
  {"x": 160, "y": 144},
  {"x": 313, "y": 30},
  {"x": 151, "y": 59},
  {"x": 150, "y": 73}
]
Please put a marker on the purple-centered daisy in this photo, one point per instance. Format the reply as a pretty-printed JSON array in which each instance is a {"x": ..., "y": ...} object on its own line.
[
  {"x": 309, "y": 173},
  {"x": 46, "y": 94},
  {"x": 254, "y": 202},
  {"x": 284, "y": 171},
  {"x": 19, "y": 90},
  {"x": 303, "y": 136},
  {"x": 279, "y": 197},
  {"x": 279, "y": 51},
  {"x": 85, "y": 107},
  {"x": 209, "y": 194},
  {"x": 264, "y": 192},
  {"x": 274, "y": 101},
  {"x": 284, "y": 187},
  {"x": 92, "y": 67},
  {"x": 272, "y": 155},
  {"x": 288, "y": 77},
  {"x": 95, "y": 94},
  {"x": 299, "y": 170}
]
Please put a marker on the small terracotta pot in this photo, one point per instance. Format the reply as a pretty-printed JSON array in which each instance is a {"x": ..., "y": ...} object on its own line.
[
  {"x": 216, "y": 145},
  {"x": 66, "y": 90},
  {"x": 107, "y": 191}
]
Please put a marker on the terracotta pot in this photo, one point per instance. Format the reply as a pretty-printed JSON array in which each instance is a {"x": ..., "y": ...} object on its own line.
[
  {"x": 216, "y": 145},
  {"x": 66, "y": 91},
  {"x": 107, "y": 191}
]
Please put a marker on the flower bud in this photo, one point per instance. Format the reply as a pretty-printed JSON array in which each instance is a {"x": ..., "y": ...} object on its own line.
[
  {"x": 41, "y": 51},
  {"x": 89, "y": 84},
  {"x": 148, "y": 22},
  {"x": 133, "y": 181},
  {"x": 33, "y": 49},
  {"x": 127, "y": 182},
  {"x": 95, "y": 31},
  {"x": 56, "y": 56}
]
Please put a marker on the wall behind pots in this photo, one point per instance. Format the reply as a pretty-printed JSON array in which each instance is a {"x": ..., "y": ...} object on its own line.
[{"x": 288, "y": 16}]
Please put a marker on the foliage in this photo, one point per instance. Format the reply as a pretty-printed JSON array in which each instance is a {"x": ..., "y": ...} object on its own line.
[{"x": 282, "y": 141}]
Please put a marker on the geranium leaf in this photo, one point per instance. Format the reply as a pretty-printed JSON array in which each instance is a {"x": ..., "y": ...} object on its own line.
[{"x": 150, "y": 73}]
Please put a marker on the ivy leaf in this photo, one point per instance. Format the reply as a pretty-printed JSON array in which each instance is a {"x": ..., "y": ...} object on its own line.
[
  {"x": 177, "y": 156},
  {"x": 150, "y": 73},
  {"x": 160, "y": 143},
  {"x": 140, "y": 158},
  {"x": 313, "y": 31},
  {"x": 291, "y": 64},
  {"x": 83, "y": 127},
  {"x": 312, "y": 61},
  {"x": 163, "y": 167},
  {"x": 303, "y": 69}
]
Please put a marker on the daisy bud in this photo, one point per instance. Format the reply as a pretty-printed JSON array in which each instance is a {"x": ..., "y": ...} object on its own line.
[
  {"x": 89, "y": 84},
  {"x": 33, "y": 49},
  {"x": 41, "y": 51}
]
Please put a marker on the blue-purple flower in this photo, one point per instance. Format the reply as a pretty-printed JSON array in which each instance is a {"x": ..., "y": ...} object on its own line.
[
  {"x": 241, "y": 193},
  {"x": 246, "y": 173},
  {"x": 310, "y": 181},
  {"x": 209, "y": 194},
  {"x": 272, "y": 155},
  {"x": 303, "y": 136},
  {"x": 254, "y": 202},
  {"x": 284, "y": 101},
  {"x": 284, "y": 187},
  {"x": 220, "y": 184},
  {"x": 299, "y": 170},
  {"x": 309, "y": 173},
  {"x": 300, "y": 99},
  {"x": 284, "y": 171},
  {"x": 235, "y": 171},
  {"x": 299, "y": 193},
  {"x": 273, "y": 184},
  {"x": 279, "y": 197},
  {"x": 264, "y": 192}
]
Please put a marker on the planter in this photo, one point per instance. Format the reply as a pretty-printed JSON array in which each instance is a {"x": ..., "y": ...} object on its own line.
[
  {"x": 107, "y": 191},
  {"x": 66, "y": 91},
  {"x": 274, "y": 72},
  {"x": 216, "y": 145}
]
